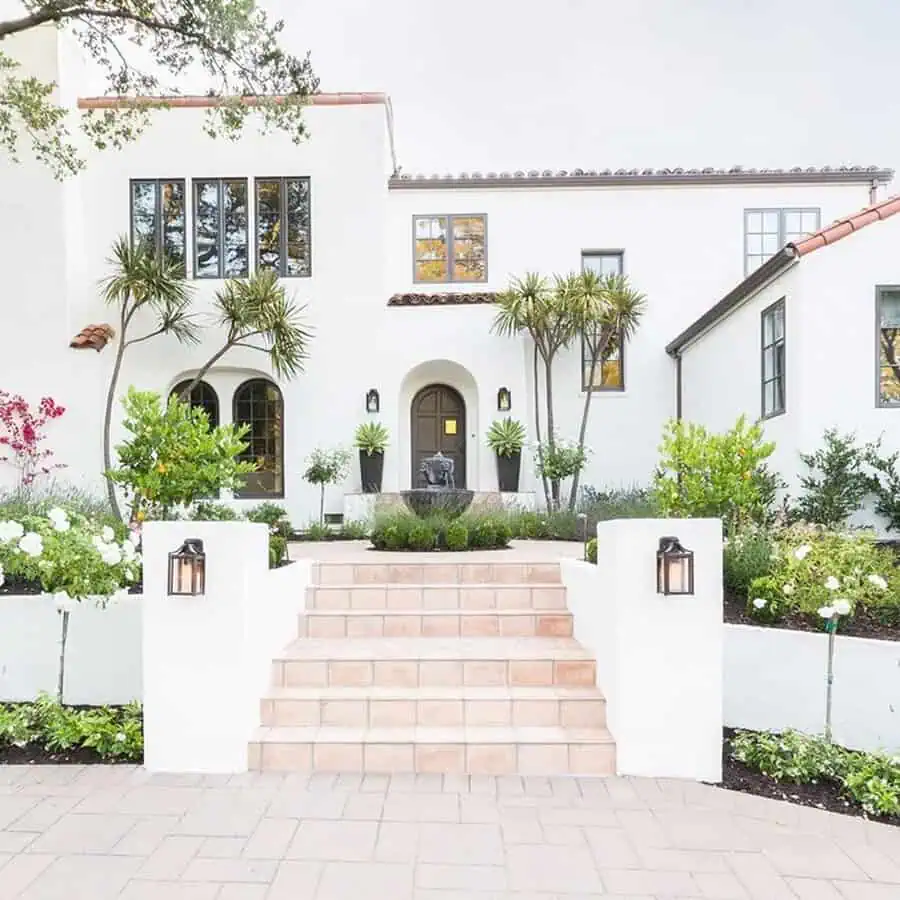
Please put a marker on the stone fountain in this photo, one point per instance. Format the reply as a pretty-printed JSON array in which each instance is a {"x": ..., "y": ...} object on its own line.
[{"x": 440, "y": 493}]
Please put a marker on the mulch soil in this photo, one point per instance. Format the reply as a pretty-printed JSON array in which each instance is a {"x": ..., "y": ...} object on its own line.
[
  {"x": 824, "y": 795},
  {"x": 861, "y": 624},
  {"x": 32, "y": 755}
]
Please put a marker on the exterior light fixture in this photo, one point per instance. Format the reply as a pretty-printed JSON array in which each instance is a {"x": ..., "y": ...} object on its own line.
[
  {"x": 373, "y": 401},
  {"x": 674, "y": 568},
  {"x": 187, "y": 569},
  {"x": 504, "y": 400}
]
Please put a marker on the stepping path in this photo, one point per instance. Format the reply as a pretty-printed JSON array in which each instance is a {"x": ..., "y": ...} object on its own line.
[{"x": 435, "y": 667}]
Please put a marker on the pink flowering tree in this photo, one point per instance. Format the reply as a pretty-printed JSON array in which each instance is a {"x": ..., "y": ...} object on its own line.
[{"x": 21, "y": 444}]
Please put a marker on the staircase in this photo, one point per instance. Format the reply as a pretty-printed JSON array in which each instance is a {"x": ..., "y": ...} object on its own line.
[{"x": 435, "y": 667}]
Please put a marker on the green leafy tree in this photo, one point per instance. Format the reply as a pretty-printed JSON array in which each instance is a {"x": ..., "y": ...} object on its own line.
[
  {"x": 256, "y": 314},
  {"x": 605, "y": 311},
  {"x": 142, "y": 280},
  {"x": 173, "y": 457},
  {"x": 231, "y": 42},
  {"x": 326, "y": 467}
]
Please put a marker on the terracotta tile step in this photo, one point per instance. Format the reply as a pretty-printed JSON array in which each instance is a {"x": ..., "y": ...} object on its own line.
[
  {"x": 375, "y": 707},
  {"x": 474, "y": 751},
  {"x": 327, "y": 623},
  {"x": 437, "y": 573},
  {"x": 437, "y": 596}
]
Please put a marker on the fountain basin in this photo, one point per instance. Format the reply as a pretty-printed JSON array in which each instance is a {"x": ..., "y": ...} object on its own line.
[{"x": 425, "y": 502}]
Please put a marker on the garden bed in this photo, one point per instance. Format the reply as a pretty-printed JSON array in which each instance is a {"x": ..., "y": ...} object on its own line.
[
  {"x": 35, "y": 755},
  {"x": 13, "y": 584},
  {"x": 861, "y": 624},
  {"x": 826, "y": 795}
]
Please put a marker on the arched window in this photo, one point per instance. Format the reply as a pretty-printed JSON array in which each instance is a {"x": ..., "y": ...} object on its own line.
[
  {"x": 258, "y": 403},
  {"x": 202, "y": 395}
]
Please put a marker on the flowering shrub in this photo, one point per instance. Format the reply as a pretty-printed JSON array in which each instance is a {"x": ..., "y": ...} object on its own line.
[
  {"x": 24, "y": 434},
  {"x": 814, "y": 570},
  {"x": 747, "y": 556},
  {"x": 70, "y": 556}
]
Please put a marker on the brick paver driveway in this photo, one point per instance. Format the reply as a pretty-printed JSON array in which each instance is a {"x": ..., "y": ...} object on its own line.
[{"x": 105, "y": 832}]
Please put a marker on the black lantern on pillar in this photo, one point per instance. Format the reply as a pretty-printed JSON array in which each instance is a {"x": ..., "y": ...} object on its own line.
[
  {"x": 504, "y": 400},
  {"x": 373, "y": 401},
  {"x": 187, "y": 569},
  {"x": 674, "y": 568}
]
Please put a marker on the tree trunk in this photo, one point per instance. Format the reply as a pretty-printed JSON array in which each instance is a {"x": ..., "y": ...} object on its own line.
[
  {"x": 322, "y": 505},
  {"x": 551, "y": 425},
  {"x": 201, "y": 372},
  {"x": 61, "y": 679},
  {"x": 107, "y": 427},
  {"x": 537, "y": 425},
  {"x": 582, "y": 431}
]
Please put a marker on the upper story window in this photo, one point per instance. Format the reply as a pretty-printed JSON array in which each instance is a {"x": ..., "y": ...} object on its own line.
[
  {"x": 450, "y": 248},
  {"x": 773, "y": 360},
  {"x": 158, "y": 216},
  {"x": 609, "y": 373},
  {"x": 766, "y": 231},
  {"x": 221, "y": 248},
  {"x": 888, "y": 299},
  {"x": 283, "y": 240}
]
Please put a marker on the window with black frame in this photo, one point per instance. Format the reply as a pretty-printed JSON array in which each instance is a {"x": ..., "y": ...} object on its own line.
[{"x": 773, "y": 360}]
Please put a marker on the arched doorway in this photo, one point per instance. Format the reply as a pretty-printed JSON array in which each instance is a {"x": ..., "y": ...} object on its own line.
[{"x": 439, "y": 424}]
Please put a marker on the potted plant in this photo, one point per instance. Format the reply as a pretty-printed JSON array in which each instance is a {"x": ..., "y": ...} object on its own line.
[
  {"x": 505, "y": 438},
  {"x": 371, "y": 439}
]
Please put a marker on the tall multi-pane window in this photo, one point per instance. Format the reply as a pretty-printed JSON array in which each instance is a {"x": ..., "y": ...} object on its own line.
[
  {"x": 766, "y": 231},
  {"x": 258, "y": 404},
  {"x": 283, "y": 240},
  {"x": 450, "y": 248},
  {"x": 609, "y": 372},
  {"x": 889, "y": 346},
  {"x": 202, "y": 396},
  {"x": 773, "y": 360},
  {"x": 221, "y": 239},
  {"x": 158, "y": 216}
]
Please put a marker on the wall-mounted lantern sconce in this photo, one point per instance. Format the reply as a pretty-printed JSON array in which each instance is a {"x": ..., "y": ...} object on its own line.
[
  {"x": 504, "y": 400},
  {"x": 373, "y": 401},
  {"x": 187, "y": 569},
  {"x": 674, "y": 568}
]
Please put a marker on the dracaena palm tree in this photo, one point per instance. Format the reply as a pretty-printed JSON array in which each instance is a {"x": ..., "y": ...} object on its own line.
[
  {"x": 256, "y": 314},
  {"x": 142, "y": 279},
  {"x": 606, "y": 311}
]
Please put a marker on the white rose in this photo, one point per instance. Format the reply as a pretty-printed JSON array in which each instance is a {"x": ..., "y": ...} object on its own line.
[
  {"x": 59, "y": 518},
  {"x": 759, "y": 603},
  {"x": 842, "y": 607},
  {"x": 802, "y": 552},
  {"x": 826, "y": 612},
  {"x": 878, "y": 581},
  {"x": 832, "y": 583},
  {"x": 64, "y": 603},
  {"x": 108, "y": 534},
  {"x": 32, "y": 544},
  {"x": 788, "y": 589},
  {"x": 11, "y": 531},
  {"x": 111, "y": 555}
]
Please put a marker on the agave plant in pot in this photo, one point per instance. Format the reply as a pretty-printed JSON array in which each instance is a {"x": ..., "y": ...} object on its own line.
[
  {"x": 371, "y": 439},
  {"x": 506, "y": 438}
]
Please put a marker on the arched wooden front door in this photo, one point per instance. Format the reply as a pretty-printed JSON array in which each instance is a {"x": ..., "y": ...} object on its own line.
[{"x": 439, "y": 424}]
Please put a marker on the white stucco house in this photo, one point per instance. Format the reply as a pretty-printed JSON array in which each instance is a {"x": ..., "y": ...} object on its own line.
[{"x": 398, "y": 273}]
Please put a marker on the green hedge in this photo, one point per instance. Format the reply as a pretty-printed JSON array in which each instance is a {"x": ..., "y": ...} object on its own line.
[{"x": 401, "y": 530}]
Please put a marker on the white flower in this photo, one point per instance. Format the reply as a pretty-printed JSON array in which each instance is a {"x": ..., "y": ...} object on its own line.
[
  {"x": 128, "y": 551},
  {"x": 111, "y": 555},
  {"x": 98, "y": 542},
  {"x": 826, "y": 612},
  {"x": 832, "y": 583},
  {"x": 802, "y": 552},
  {"x": 64, "y": 603},
  {"x": 59, "y": 518},
  {"x": 878, "y": 581},
  {"x": 120, "y": 737},
  {"x": 2, "y": 579},
  {"x": 108, "y": 534},
  {"x": 32, "y": 544},
  {"x": 759, "y": 603},
  {"x": 788, "y": 589},
  {"x": 842, "y": 607},
  {"x": 10, "y": 531}
]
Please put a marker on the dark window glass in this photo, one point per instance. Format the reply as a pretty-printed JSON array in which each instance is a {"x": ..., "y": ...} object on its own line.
[
  {"x": 206, "y": 229},
  {"x": 889, "y": 347},
  {"x": 158, "y": 216},
  {"x": 283, "y": 226},
  {"x": 609, "y": 373},
  {"x": 234, "y": 205},
  {"x": 258, "y": 404},
  {"x": 220, "y": 228},
  {"x": 773, "y": 360},
  {"x": 203, "y": 396}
]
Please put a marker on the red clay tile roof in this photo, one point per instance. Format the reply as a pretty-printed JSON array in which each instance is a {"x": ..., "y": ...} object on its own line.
[
  {"x": 449, "y": 299},
  {"x": 203, "y": 102},
  {"x": 94, "y": 337},
  {"x": 842, "y": 227}
]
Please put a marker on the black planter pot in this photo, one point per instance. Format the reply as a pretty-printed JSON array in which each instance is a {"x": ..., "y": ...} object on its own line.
[
  {"x": 371, "y": 469},
  {"x": 508, "y": 472}
]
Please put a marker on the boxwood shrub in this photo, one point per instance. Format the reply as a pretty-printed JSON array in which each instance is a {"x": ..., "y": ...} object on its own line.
[{"x": 401, "y": 530}]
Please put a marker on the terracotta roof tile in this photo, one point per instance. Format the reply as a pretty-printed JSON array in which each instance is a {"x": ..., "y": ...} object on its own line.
[
  {"x": 205, "y": 102},
  {"x": 93, "y": 337},
  {"x": 446, "y": 299},
  {"x": 842, "y": 227}
]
